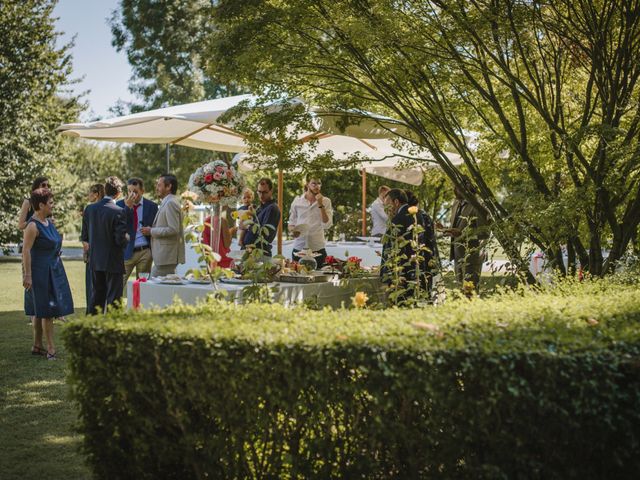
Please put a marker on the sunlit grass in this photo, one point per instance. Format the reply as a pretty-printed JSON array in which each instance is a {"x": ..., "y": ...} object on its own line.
[{"x": 37, "y": 419}]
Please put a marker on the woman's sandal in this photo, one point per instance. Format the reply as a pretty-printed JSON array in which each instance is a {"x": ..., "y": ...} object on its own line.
[
  {"x": 51, "y": 356},
  {"x": 38, "y": 351}
]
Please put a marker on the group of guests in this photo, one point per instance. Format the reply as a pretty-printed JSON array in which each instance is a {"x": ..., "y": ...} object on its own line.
[
  {"x": 123, "y": 232},
  {"x": 257, "y": 226},
  {"x": 393, "y": 218},
  {"x": 310, "y": 216},
  {"x": 134, "y": 233}
]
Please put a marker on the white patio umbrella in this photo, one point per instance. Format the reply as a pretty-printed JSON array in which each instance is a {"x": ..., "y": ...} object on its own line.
[{"x": 196, "y": 125}]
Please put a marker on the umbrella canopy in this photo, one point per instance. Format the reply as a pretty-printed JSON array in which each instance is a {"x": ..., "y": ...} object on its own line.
[
  {"x": 196, "y": 125},
  {"x": 383, "y": 159}
]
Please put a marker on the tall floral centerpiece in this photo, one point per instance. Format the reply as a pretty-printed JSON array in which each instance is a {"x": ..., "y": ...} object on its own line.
[{"x": 216, "y": 184}]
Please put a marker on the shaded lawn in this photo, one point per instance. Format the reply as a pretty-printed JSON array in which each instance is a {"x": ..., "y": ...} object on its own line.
[{"x": 37, "y": 420}]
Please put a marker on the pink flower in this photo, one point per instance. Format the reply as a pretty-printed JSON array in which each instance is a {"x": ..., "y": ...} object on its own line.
[
  {"x": 208, "y": 178},
  {"x": 220, "y": 169},
  {"x": 217, "y": 176}
]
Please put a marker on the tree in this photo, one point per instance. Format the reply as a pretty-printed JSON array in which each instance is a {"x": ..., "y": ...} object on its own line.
[
  {"x": 164, "y": 45},
  {"x": 33, "y": 73},
  {"x": 82, "y": 164},
  {"x": 549, "y": 89}
]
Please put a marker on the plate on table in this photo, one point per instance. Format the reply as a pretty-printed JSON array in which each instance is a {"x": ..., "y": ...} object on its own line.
[
  {"x": 235, "y": 281},
  {"x": 169, "y": 280},
  {"x": 197, "y": 280}
]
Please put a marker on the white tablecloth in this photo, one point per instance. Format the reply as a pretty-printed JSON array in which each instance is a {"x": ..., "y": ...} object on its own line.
[{"x": 333, "y": 293}]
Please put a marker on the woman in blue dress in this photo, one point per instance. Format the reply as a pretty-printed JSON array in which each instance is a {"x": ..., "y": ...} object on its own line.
[
  {"x": 44, "y": 273},
  {"x": 26, "y": 212}
]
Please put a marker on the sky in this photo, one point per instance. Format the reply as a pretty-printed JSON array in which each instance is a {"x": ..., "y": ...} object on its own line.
[{"x": 100, "y": 69}]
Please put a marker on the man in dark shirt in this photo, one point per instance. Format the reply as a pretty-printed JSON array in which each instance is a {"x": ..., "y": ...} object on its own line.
[
  {"x": 397, "y": 241},
  {"x": 262, "y": 231}
]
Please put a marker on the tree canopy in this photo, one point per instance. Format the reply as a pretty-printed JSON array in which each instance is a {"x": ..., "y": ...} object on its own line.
[
  {"x": 33, "y": 73},
  {"x": 539, "y": 98}
]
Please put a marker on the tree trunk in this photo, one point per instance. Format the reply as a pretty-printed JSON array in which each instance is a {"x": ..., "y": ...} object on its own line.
[
  {"x": 571, "y": 254},
  {"x": 595, "y": 251}
]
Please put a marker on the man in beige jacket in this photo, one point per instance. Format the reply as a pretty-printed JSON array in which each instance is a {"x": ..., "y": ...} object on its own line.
[{"x": 167, "y": 237}]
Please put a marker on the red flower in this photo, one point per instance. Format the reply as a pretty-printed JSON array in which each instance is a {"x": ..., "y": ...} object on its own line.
[
  {"x": 355, "y": 260},
  {"x": 208, "y": 178},
  {"x": 330, "y": 259}
]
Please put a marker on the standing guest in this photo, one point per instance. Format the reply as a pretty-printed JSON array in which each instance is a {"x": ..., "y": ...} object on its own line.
[
  {"x": 247, "y": 205},
  {"x": 167, "y": 238},
  {"x": 44, "y": 273},
  {"x": 108, "y": 238},
  {"x": 96, "y": 192},
  {"x": 26, "y": 212},
  {"x": 469, "y": 228},
  {"x": 379, "y": 217},
  {"x": 310, "y": 215},
  {"x": 267, "y": 215},
  {"x": 427, "y": 240},
  {"x": 398, "y": 238},
  {"x": 224, "y": 241},
  {"x": 139, "y": 212}
]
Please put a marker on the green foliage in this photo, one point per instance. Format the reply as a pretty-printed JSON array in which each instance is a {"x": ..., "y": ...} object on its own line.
[
  {"x": 526, "y": 384},
  {"x": 33, "y": 74},
  {"x": 540, "y": 100},
  {"x": 82, "y": 164},
  {"x": 163, "y": 42}
]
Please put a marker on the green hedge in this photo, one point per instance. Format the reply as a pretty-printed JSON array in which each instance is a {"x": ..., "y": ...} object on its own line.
[{"x": 522, "y": 385}]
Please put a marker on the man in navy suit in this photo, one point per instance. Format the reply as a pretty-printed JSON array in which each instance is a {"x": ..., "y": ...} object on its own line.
[
  {"x": 396, "y": 245},
  {"x": 139, "y": 212},
  {"x": 108, "y": 237}
]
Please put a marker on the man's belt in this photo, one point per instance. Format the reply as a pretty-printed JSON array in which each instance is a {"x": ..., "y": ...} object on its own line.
[{"x": 139, "y": 249}]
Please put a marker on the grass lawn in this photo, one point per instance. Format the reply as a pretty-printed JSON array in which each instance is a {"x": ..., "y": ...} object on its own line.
[{"x": 37, "y": 420}]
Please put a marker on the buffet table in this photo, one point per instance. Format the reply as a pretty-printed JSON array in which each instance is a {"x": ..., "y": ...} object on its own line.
[
  {"x": 333, "y": 293},
  {"x": 367, "y": 251}
]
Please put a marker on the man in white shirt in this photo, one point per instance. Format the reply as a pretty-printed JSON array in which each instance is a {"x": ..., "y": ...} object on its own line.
[
  {"x": 379, "y": 217},
  {"x": 310, "y": 215}
]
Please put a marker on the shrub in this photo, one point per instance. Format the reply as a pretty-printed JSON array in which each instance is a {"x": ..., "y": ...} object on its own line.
[{"x": 521, "y": 385}]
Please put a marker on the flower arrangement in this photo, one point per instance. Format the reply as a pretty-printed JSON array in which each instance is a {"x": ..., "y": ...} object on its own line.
[
  {"x": 348, "y": 268},
  {"x": 216, "y": 182}
]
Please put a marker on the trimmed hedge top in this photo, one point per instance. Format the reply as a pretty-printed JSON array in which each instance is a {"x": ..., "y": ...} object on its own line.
[{"x": 568, "y": 317}]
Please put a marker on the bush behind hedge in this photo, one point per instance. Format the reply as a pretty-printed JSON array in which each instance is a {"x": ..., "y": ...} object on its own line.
[{"x": 522, "y": 385}]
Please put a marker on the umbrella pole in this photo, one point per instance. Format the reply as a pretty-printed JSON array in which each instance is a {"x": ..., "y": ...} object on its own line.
[
  {"x": 280, "y": 198},
  {"x": 166, "y": 154},
  {"x": 364, "y": 202}
]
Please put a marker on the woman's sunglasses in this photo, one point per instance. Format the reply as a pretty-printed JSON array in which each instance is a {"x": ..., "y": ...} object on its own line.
[{"x": 45, "y": 185}]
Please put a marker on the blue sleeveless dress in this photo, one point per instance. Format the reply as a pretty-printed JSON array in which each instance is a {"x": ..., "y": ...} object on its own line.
[{"x": 50, "y": 295}]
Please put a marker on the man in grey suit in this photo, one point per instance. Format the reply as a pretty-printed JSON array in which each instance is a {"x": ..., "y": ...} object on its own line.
[{"x": 167, "y": 237}]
